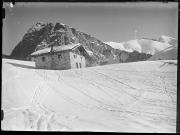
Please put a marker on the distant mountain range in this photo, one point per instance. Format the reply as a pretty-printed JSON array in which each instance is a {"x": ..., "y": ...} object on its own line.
[
  {"x": 169, "y": 40},
  {"x": 163, "y": 48},
  {"x": 42, "y": 35},
  {"x": 144, "y": 45}
]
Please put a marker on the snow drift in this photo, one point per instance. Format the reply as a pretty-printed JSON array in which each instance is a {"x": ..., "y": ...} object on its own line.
[{"x": 126, "y": 97}]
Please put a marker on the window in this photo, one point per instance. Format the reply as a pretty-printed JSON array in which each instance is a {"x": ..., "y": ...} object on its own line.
[
  {"x": 81, "y": 58},
  {"x": 75, "y": 56},
  {"x": 43, "y": 58},
  {"x": 76, "y": 65},
  {"x": 80, "y": 65},
  {"x": 59, "y": 56}
]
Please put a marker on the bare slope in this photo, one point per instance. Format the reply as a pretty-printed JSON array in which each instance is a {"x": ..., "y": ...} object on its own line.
[{"x": 128, "y": 97}]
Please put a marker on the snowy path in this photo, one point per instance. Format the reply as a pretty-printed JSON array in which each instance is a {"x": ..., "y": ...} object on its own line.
[{"x": 128, "y": 97}]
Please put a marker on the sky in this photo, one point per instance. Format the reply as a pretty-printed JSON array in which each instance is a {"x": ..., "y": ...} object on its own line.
[{"x": 106, "y": 21}]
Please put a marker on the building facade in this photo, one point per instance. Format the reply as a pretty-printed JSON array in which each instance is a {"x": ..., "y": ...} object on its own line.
[{"x": 62, "y": 57}]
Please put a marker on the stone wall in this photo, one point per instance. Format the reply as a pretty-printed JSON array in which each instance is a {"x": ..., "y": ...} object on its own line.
[
  {"x": 76, "y": 59},
  {"x": 43, "y": 64},
  {"x": 61, "y": 62}
]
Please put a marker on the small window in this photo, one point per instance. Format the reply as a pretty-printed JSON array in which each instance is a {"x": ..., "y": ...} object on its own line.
[
  {"x": 76, "y": 65},
  {"x": 80, "y": 65},
  {"x": 81, "y": 58},
  {"x": 59, "y": 56},
  {"x": 43, "y": 58},
  {"x": 75, "y": 56}
]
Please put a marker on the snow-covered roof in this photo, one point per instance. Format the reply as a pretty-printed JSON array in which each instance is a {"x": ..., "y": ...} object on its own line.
[{"x": 56, "y": 49}]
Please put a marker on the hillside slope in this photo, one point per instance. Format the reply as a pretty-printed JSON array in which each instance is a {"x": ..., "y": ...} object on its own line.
[{"x": 127, "y": 97}]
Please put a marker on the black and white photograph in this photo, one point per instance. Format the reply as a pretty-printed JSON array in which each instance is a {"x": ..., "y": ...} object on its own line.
[{"x": 96, "y": 67}]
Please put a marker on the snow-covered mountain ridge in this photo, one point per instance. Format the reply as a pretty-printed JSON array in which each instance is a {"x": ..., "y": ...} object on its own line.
[
  {"x": 144, "y": 45},
  {"x": 168, "y": 39}
]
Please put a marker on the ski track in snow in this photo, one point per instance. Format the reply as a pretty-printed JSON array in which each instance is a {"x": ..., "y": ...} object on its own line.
[
  {"x": 129, "y": 106},
  {"x": 133, "y": 115}
]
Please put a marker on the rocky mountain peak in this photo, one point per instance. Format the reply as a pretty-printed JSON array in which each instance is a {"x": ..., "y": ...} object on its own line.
[{"x": 42, "y": 35}]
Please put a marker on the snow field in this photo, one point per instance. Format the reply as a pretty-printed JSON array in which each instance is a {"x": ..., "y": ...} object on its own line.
[{"x": 127, "y": 97}]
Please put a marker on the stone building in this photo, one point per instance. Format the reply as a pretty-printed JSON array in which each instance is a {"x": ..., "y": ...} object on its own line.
[{"x": 60, "y": 57}]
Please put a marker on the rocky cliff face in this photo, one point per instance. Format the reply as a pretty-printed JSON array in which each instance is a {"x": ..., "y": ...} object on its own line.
[
  {"x": 42, "y": 35},
  {"x": 30, "y": 41}
]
